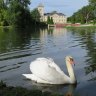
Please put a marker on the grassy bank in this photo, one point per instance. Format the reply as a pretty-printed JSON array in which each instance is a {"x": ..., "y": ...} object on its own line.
[
  {"x": 81, "y": 26},
  {"x": 19, "y": 91}
]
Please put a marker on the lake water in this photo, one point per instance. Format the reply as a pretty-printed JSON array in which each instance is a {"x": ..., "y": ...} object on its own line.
[{"x": 19, "y": 47}]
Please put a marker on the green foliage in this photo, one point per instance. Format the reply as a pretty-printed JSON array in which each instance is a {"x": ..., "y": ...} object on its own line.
[
  {"x": 92, "y": 2},
  {"x": 3, "y": 13},
  {"x": 35, "y": 15},
  {"x": 19, "y": 13},
  {"x": 16, "y": 13},
  {"x": 3, "y": 4},
  {"x": 23, "y": 3},
  {"x": 84, "y": 15},
  {"x": 50, "y": 20}
]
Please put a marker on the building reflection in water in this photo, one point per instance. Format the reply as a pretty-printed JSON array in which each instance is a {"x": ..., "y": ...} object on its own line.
[
  {"x": 53, "y": 37},
  {"x": 55, "y": 32}
]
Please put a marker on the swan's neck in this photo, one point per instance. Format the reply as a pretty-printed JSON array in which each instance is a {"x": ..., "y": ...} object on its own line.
[{"x": 71, "y": 72}]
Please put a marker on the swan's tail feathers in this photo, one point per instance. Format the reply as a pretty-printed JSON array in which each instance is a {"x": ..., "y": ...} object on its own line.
[
  {"x": 30, "y": 76},
  {"x": 35, "y": 78}
]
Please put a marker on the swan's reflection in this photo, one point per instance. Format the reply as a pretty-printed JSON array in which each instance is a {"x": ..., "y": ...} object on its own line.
[
  {"x": 70, "y": 91},
  {"x": 66, "y": 90}
]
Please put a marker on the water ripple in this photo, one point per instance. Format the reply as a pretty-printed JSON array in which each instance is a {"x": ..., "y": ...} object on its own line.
[{"x": 9, "y": 69}]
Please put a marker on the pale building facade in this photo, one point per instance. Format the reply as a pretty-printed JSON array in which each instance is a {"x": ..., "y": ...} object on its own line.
[{"x": 58, "y": 18}]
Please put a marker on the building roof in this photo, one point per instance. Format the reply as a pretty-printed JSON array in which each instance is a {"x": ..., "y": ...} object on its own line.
[{"x": 54, "y": 12}]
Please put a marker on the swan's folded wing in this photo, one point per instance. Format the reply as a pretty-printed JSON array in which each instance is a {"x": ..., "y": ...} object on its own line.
[
  {"x": 53, "y": 76},
  {"x": 56, "y": 67}
]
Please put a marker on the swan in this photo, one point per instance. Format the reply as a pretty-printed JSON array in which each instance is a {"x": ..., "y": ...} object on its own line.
[{"x": 45, "y": 70}]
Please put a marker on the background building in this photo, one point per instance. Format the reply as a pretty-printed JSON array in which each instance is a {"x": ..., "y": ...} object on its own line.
[{"x": 58, "y": 18}]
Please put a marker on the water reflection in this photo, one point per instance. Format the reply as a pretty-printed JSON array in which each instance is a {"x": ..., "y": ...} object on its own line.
[
  {"x": 15, "y": 44},
  {"x": 20, "y": 39},
  {"x": 12, "y": 40},
  {"x": 66, "y": 90},
  {"x": 88, "y": 42}
]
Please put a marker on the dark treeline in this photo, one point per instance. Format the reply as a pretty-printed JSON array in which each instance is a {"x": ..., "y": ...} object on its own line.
[
  {"x": 17, "y": 13},
  {"x": 87, "y": 14}
]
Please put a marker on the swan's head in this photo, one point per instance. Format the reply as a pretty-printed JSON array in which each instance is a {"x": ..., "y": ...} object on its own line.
[{"x": 70, "y": 59}]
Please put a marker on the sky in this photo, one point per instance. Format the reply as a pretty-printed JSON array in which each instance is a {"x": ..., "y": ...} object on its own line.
[{"x": 67, "y": 7}]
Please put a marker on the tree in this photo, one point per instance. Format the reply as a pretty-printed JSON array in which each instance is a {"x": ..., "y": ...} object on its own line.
[
  {"x": 93, "y": 4},
  {"x": 16, "y": 13},
  {"x": 87, "y": 13},
  {"x": 2, "y": 4},
  {"x": 83, "y": 15},
  {"x": 23, "y": 3},
  {"x": 50, "y": 20},
  {"x": 35, "y": 15},
  {"x": 3, "y": 13},
  {"x": 19, "y": 13}
]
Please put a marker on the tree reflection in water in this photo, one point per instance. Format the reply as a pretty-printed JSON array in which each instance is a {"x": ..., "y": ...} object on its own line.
[{"x": 88, "y": 42}]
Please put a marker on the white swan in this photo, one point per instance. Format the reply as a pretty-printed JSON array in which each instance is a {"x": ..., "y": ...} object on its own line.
[{"x": 44, "y": 70}]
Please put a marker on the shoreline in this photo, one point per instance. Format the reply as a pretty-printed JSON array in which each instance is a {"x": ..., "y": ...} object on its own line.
[
  {"x": 82, "y": 25},
  {"x": 68, "y": 26}
]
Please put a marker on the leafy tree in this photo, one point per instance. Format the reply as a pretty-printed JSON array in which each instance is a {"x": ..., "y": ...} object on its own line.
[
  {"x": 19, "y": 13},
  {"x": 3, "y": 4},
  {"x": 93, "y": 4},
  {"x": 3, "y": 13},
  {"x": 83, "y": 15},
  {"x": 87, "y": 13},
  {"x": 23, "y": 3},
  {"x": 35, "y": 15}
]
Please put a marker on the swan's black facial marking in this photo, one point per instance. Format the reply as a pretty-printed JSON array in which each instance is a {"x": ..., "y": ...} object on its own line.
[
  {"x": 69, "y": 59},
  {"x": 72, "y": 61}
]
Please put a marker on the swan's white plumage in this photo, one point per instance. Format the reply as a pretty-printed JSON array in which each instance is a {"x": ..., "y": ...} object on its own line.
[{"x": 44, "y": 70}]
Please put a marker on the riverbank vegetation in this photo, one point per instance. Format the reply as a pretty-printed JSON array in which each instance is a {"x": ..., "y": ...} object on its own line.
[
  {"x": 17, "y": 13},
  {"x": 87, "y": 14}
]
